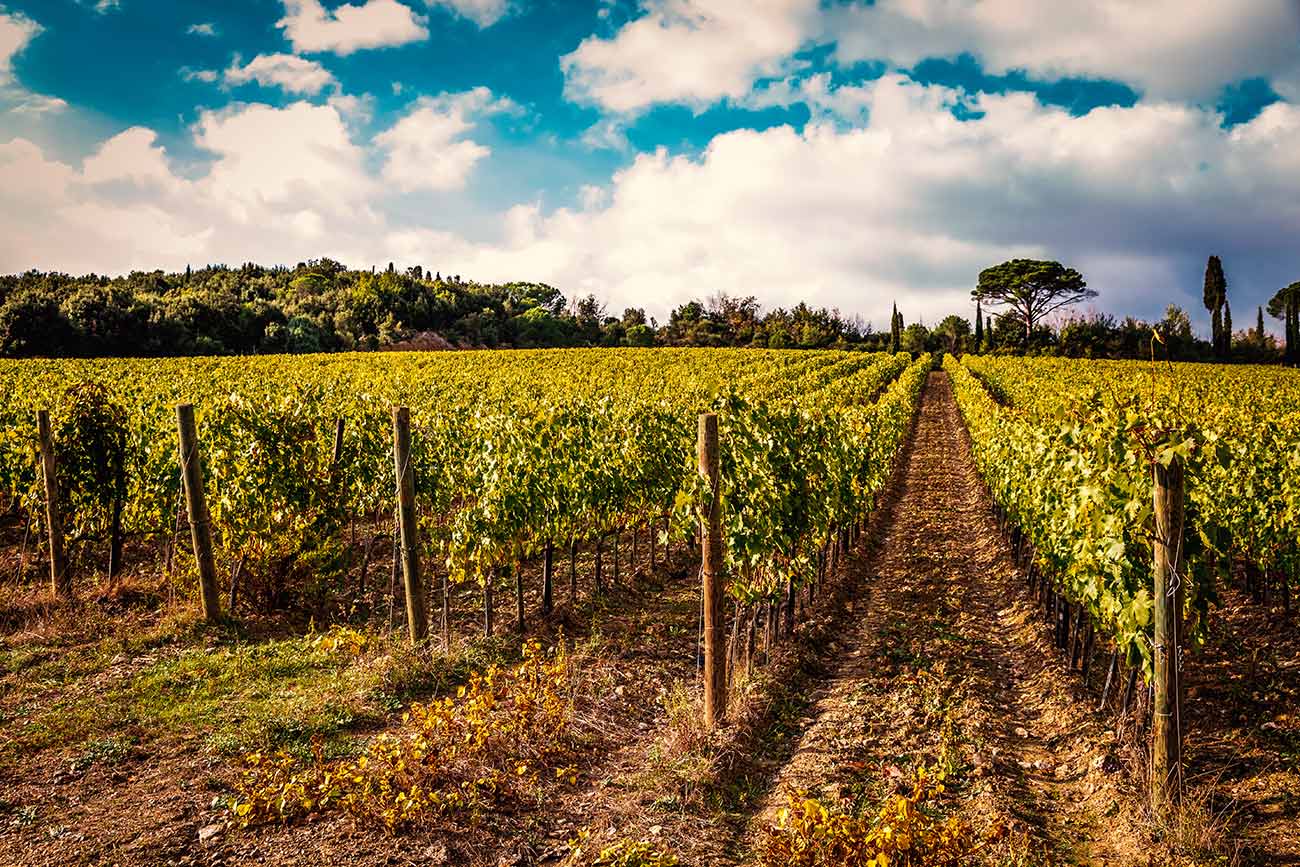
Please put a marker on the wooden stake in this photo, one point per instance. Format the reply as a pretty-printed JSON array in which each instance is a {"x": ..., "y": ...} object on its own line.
[
  {"x": 60, "y": 574},
  {"x": 1166, "y": 734},
  {"x": 337, "y": 452},
  {"x": 196, "y": 506},
  {"x": 548, "y": 570},
  {"x": 446, "y": 611},
  {"x": 417, "y": 618},
  {"x": 715, "y": 672},
  {"x": 573, "y": 572},
  {"x": 519, "y": 598}
]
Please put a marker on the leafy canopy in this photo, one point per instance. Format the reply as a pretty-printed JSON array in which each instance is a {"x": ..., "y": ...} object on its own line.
[{"x": 1031, "y": 289}]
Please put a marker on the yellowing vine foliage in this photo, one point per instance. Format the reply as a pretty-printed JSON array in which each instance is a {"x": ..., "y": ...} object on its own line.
[
  {"x": 907, "y": 832},
  {"x": 486, "y": 744}
]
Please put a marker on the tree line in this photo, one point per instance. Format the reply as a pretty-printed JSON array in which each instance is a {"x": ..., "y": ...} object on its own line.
[{"x": 323, "y": 306}]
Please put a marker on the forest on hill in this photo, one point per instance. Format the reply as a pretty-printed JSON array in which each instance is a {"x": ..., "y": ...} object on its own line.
[{"x": 323, "y": 306}]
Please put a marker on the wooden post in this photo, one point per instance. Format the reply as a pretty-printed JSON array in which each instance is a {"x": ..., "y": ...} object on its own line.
[
  {"x": 60, "y": 574},
  {"x": 338, "y": 445},
  {"x": 487, "y": 604},
  {"x": 715, "y": 672},
  {"x": 548, "y": 573},
  {"x": 446, "y": 611},
  {"x": 417, "y": 619},
  {"x": 617, "y": 534},
  {"x": 196, "y": 507},
  {"x": 519, "y": 598},
  {"x": 573, "y": 572},
  {"x": 1166, "y": 733}
]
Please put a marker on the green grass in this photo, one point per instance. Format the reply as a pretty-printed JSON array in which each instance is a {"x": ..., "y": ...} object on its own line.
[{"x": 232, "y": 697}]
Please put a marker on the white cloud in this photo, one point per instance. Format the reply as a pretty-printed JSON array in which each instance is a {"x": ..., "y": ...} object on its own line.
[
  {"x": 609, "y": 133},
  {"x": 484, "y": 13},
  {"x": 907, "y": 208},
  {"x": 354, "y": 109},
  {"x": 426, "y": 148},
  {"x": 294, "y": 74},
  {"x": 207, "y": 76},
  {"x": 689, "y": 51},
  {"x": 286, "y": 184},
  {"x": 699, "y": 52},
  {"x": 16, "y": 31},
  {"x": 1165, "y": 48},
  {"x": 204, "y": 29},
  {"x": 103, "y": 7},
  {"x": 913, "y": 206},
  {"x": 373, "y": 24}
]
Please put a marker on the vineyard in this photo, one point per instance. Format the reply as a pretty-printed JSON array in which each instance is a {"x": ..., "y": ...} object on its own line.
[{"x": 286, "y": 636}]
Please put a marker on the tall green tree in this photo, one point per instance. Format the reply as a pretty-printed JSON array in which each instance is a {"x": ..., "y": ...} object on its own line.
[
  {"x": 1214, "y": 294},
  {"x": 979, "y": 329},
  {"x": 953, "y": 331},
  {"x": 1226, "y": 338},
  {"x": 1031, "y": 289},
  {"x": 895, "y": 329},
  {"x": 1259, "y": 323},
  {"x": 1285, "y": 305}
]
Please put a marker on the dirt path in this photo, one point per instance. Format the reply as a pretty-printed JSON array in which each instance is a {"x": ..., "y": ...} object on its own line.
[{"x": 947, "y": 667}]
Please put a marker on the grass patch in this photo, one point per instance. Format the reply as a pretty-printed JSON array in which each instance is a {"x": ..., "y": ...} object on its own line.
[{"x": 279, "y": 694}]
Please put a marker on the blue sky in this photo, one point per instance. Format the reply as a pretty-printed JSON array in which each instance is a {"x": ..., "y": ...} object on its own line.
[{"x": 850, "y": 154}]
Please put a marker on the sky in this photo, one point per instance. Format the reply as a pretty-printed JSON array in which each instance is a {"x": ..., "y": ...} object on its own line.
[{"x": 849, "y": 154}]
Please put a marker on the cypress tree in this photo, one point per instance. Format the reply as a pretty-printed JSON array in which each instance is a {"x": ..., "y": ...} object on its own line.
[
  {"x": 1259, "y": 323},
  {"x": 895, "y": 329},
  {"x": 979, "y": 328},
  {"x": 1227, "y": 327},
  {"x": 1215, "y": 294}
]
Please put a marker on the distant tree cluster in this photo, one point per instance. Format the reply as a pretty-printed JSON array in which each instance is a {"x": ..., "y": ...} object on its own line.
[{"x": 322, "y": 306}]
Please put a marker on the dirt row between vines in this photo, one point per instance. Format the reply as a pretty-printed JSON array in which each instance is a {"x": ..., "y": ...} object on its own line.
[{"x": 947, "y": 666}]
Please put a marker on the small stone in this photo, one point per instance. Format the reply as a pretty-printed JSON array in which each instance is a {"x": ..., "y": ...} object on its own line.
[
  {"x": 655, "y": 830},
  {"x": 210, "y": 832},
  {"x": 1021, "y": 732}
]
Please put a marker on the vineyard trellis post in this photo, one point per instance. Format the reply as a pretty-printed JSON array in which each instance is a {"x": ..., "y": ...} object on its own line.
[
  {"x": 60, "y": 574},
  {"x": 715, "y": 672},
  {"x": 417, "y": 620},
  {"x": 196, "y": 509},
  {"x": 1166, "y": 734}
]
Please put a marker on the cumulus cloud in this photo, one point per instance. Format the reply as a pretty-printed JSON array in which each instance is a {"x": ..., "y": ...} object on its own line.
[
  {"x": 292, "y": 73},
  {"x": 688, "y": 51},
  {"x": 16, "y": 32},
  {"x": 907, "y": 208},
  {"x": 285, "y": 184},
  {"x": 426, "y": 148},
  {"x": 484, "y": 13},
  {"x": 699, "y": 52},
  {"x": 204, "y": 29},
  {"x": 911, "y": 207},
  {"x": 348, "y": 28},
  {"x": 1165, "y": 48}
]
